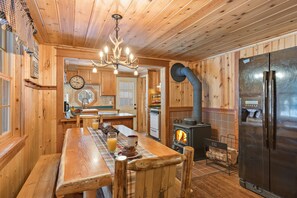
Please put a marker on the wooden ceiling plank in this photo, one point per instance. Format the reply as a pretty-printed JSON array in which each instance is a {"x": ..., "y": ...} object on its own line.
[
  {"x": 220, "y": 27},
  {"x": 131, "y": 18},
  {"x": 82, "y": 17},
  {"x": 118, "y": 7},
  {"x": 242, "y": 33},
  {"x": 289, "y": 29},
  {"x": 42, "y": 36},
  {"x": 157, "y": 21},
  {"x": 257, "y": 36},
  {"x": 66, "y": 20},
  {"x": 48, "y": 12},
  {"x": 162, "y": 28},
  {"x": 260, "y": 13},
  {"x": 152, "y": 12},
  {"x": 169, "y": 22},
  {"x": 97, "y": 22},
  {"x": 179, "y": 28},
  {"x": 200, "y": 28}
]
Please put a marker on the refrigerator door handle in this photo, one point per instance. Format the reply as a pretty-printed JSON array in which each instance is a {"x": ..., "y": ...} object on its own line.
[
  {"x": 265, "y": 109},
  {"x": 272, "y": 112}
]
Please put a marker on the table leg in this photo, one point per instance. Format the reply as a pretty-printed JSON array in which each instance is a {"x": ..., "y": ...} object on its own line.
[{"x": 90, "y": 194}]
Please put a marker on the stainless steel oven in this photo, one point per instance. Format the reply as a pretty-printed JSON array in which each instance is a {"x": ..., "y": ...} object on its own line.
[{"x": 155, "y": 123}]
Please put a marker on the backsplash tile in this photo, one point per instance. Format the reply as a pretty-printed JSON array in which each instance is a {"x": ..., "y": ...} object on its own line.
[{"x": 100, "y": 100}]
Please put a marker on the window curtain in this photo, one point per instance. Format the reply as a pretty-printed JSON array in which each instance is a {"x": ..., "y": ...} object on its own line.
[{"x": 19, "y": 21}]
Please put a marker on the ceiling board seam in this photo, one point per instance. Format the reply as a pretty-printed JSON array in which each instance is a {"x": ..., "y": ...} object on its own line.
[
  {"x": 241, "y": 38},
  {"x": 211, "y": 38},
  {"x": 176, "y": 13},
  {"x": 250, "y": 46},
  {"x": 88, "y": 28},
  {"x": 42, "y": 21},
  {"x": 263, "y": 18},
  {"x": 255, "y": 33},
  {"x": 103, "y": 26},
  {"x": 191, "y": 32},
  {"x": 188, "y": 26},
  {"x": 58, "y": 15}
]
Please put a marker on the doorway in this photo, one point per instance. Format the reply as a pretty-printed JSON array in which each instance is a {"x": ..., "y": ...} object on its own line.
[{"x": 126, "y": 97}]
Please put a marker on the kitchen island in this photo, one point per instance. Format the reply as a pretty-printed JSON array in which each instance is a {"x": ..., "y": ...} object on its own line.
[{"x": 114, "y": 118}]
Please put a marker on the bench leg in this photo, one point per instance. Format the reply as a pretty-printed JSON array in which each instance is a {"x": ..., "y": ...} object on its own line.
[{"x": 90, "y": 194}]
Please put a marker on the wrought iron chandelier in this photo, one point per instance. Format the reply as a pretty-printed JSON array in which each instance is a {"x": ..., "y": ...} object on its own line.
[{"x": 130, "y": 61}]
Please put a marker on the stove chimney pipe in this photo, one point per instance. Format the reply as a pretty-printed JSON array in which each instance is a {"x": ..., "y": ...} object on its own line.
[{"x": 179, "y": 73}]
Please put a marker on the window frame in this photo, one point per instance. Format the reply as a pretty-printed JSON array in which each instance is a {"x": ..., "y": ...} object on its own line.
[{"x": 8, "y": 62}]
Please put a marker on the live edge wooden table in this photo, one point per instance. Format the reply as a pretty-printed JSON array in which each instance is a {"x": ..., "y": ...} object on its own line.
[{"x": 82, "y": 167}]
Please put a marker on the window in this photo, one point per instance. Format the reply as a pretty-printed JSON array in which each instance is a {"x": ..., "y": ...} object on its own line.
[
  {"x": 126, "y": 94},
  {"x": 5, "y": 87}
]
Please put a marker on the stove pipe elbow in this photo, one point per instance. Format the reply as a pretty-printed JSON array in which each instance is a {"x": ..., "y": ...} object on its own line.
[{"x": 179, "y": 73}]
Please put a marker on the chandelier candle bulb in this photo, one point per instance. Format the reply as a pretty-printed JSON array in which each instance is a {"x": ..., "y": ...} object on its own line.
[
  {"x": 101, "y": 54},
  {"x": 127, "y": 51},
  {"x": 131, "y": 58},
  {"x": 94, "y": 70},
  {"x": 106, "y": 50}
]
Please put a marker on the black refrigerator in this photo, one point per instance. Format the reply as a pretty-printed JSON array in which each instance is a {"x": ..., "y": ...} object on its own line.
[{"x": 268, "y": 123}]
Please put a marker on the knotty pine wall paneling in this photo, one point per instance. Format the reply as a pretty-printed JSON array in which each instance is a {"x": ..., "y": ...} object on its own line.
[
  {"x": 219, "y": 76},
  {"x": 36, "y": 120}
]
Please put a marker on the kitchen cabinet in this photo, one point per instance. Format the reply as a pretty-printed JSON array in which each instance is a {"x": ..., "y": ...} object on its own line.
[
  {"x": 154, "y": 79},
  {"x": 86, "y": 75},
  {"x": 95, "y": 78},
  {"x": 69, "y": 74},
  {"x": 108, "y": 83}
]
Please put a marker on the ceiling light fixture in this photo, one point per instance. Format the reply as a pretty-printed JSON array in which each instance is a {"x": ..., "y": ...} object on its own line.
[
  {"x": 116, "y": 59},
  {"x": 94, "y": 70}
]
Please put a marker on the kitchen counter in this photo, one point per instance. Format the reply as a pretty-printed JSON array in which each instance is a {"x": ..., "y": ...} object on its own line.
[
  {"x": 114, "y": 118},
  {"x": 105, "y": 115}
]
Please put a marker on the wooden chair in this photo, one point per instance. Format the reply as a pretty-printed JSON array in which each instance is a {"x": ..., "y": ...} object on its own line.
[
  {"x": 87, "y": 120},
  {"x": 155, "y": 177}
]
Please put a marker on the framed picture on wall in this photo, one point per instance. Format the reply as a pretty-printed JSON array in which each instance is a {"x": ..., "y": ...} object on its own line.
[
  {"x": 34, "y": 68},
  {"x": 2, "y": 39}
]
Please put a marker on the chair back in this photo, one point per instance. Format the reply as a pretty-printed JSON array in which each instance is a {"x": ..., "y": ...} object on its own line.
[
  {"x": 155, "y": 177},
  {"x": 87, "y": 120}
]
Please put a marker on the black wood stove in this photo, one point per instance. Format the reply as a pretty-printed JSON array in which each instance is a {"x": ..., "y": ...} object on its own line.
[
  {"x": 191, "y": 135},
  {"x": 192, "y": 132}
]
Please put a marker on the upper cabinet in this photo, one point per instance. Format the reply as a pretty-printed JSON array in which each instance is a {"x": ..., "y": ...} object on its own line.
[
  {"x": 95, "y": 78},
  {"x": 69, "y": 74},
  {"x": 88, "y": 76},
  {"x": 108, "y": 83},
  {"x": 105, "y": 78}
]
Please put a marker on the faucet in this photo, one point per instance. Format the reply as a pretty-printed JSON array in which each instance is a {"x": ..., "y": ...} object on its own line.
[{"x": 84, "y": 102}]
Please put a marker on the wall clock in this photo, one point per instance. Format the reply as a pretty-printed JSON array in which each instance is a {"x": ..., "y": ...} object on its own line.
[{"x": 77, "y": 82}]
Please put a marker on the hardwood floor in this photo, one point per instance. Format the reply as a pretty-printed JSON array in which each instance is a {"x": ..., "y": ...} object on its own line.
[{"x": 219, "y": 184}]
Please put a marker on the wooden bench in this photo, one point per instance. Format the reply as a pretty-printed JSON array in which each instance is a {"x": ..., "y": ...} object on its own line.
[{"x": 42, "y": 180}]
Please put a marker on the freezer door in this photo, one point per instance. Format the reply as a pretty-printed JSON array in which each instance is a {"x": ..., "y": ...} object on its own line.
[
  {"x": 253, "y": 151},
  {"x": 283, "y": 148}
]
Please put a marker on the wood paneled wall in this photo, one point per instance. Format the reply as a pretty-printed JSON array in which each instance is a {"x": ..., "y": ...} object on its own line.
[
  {"x": 218, "y": 79},
  {"x": 279, "y": 43},
  {"x": 219, "y": 74},
  {"x": 37, "y": 120}
]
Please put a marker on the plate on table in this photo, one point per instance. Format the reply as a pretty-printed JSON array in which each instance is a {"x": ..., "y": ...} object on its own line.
[{"x": 137, "y": 155}]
